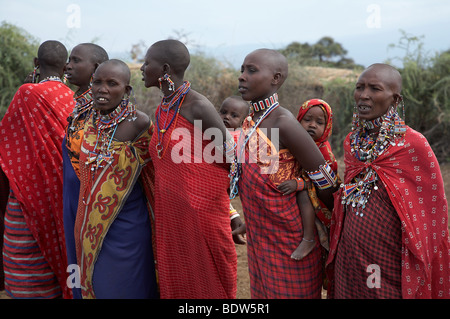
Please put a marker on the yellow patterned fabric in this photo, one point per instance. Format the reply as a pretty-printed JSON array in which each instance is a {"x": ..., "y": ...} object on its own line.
[{"x": 103, "y": 194}]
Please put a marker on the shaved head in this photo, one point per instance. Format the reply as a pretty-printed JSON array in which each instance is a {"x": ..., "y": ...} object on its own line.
[
  {"x": 96, "y": 53},
  {"x": 172, "y": 52},
  {"x": 276, "y": 61},
  {"x": 52, "y": 54},
  {"x": 388, "y": 74},
  {"x": 120, "y": 67}
]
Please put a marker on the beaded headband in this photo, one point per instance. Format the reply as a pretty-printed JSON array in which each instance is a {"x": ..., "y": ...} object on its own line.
[{"x": 265, "y": 103}]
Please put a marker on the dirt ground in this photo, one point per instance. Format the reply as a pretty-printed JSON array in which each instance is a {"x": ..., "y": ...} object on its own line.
[{"x": 243, "y": 282}]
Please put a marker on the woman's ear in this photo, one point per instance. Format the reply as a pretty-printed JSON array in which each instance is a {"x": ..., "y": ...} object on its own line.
[
  {"x": 398, "y": 98},
  {"x": 128, "y": 89},
  {"x": 166, "y": 68},
  {"x": 277, "y": 77},
  {"x": 36, "y": 61}
]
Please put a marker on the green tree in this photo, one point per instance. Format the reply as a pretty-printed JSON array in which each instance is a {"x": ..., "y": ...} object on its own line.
[
  {"x": 326, "y": 49},
  {"x": 301, "y": 52},
  {"x": 325, "y": 52},
  {"x": 17, "y": 50}
]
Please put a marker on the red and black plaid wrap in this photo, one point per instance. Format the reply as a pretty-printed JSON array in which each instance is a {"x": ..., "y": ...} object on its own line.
[
  {"x": 413, "y": 181},
  {"x": 274, "y": 231}
]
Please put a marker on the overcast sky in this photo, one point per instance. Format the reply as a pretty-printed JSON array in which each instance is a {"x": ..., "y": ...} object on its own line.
[{"x": 231, "y": 29}]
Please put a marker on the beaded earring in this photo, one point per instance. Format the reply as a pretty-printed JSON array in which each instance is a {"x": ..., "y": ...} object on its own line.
[
  {"x": 166, "y": 77},
  {"x": 355, "y": 119},
  {"x": 35, "y": 74},
  {"x": 132, "y": 106},
  {"x": 401, "y": 104}
]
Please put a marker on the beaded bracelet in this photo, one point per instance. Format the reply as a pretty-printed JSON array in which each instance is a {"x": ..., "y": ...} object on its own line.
[
  {"x": 234, "y": 216},
  {"x": 324, "y": 177},
  {"x": 233, "y": 213},
  {"x": 300, "y": 184}
]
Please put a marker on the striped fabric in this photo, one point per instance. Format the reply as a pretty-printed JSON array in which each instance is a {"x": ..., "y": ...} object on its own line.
[
  {"x": 27, "y": 274},
  {"x": 31, "y": 135}
]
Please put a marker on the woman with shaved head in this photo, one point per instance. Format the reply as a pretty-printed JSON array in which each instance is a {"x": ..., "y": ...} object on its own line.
[
  {"x": 196, "y": 256},
  {"x": 32, "y": 131},
  {"x": 273, "y": 145},
  {"x": 83, "y": 61},
  {"x": 113, "y": 234},
  {"x": 389, "y": 235}
]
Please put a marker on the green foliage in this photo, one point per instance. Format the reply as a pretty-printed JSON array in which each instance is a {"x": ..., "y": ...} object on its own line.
[
  {"x": 16, "y": 60},
  {"x": 339, "y": 95},
  {"x": 212, "y": 78},
  {"x": 426, "y": 93}
]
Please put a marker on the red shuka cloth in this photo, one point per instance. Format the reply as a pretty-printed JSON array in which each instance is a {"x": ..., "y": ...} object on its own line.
[
  {"x": 413, "y": 180},
  {"x": 274, "y": 225},
  {"x": 195, "y": 252},
  {"x": 31, "y": 134}
]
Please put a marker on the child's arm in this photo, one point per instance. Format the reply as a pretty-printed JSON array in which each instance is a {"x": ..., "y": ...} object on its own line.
[
  {"x": 295, "y": 138},
  {"x": 292, "y": 185}
]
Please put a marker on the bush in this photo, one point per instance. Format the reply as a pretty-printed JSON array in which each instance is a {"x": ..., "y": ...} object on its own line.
[
  {"x": 16, "y": 60},
  {"x": 426, "y": 92}
]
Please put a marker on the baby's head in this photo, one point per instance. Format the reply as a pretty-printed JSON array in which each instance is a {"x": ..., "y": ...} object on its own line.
[
  {"x": 233, "y": 111},
  {"x": 316, "y": 118}
]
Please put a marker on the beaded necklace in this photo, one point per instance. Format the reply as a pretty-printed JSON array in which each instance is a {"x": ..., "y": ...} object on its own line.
[
  {"x": 236, "y": 166},
  {"x": 173, "y": 101},
  {"x": 83, "y": 106},
  {"x": 366, "y": 147},
  {"x": 106, "y": 126},
  {"x": 265, "y": 103},
  {"x": 51, "y": 78}
]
